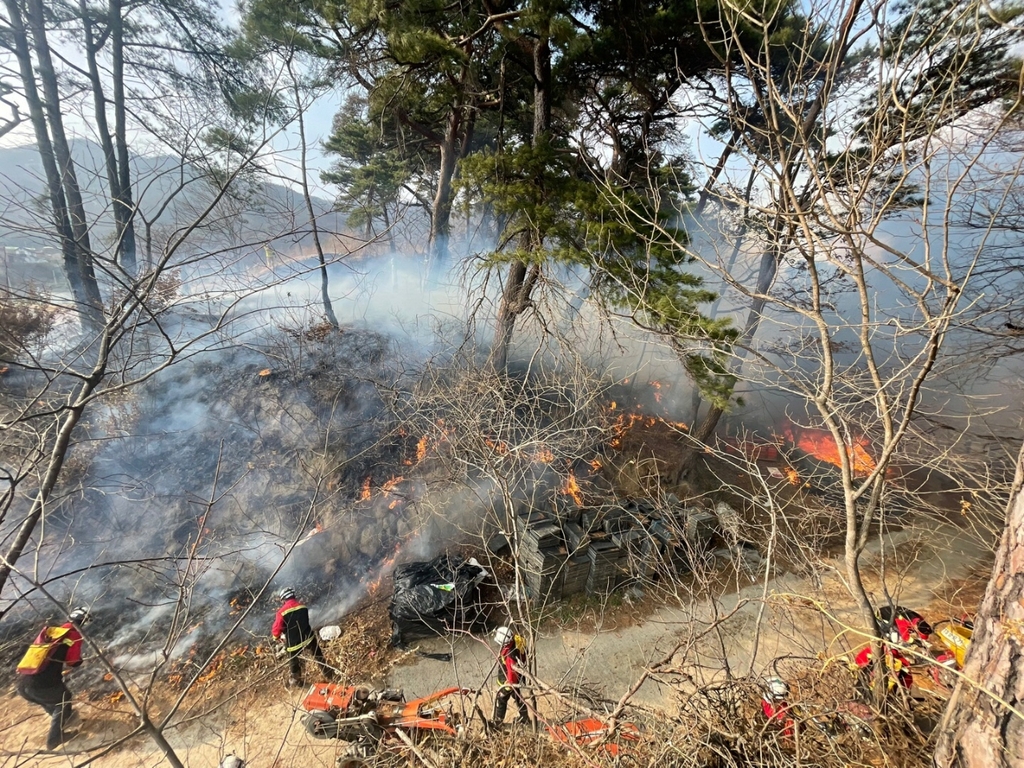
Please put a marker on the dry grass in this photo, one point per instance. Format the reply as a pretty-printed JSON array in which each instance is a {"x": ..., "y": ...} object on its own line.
[
  {"x": 22, "y": 323},
  {"x": 363, "y": 653}
]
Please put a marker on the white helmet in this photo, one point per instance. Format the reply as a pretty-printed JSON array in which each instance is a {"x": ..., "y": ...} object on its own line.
[
  {"x": 79, "y": 616},
  {"x": 503, "y": 635},
  {"x": 232, "y": 762},
  {"x": 776, "y": 687},
  {"x": 285, "y": 593}
]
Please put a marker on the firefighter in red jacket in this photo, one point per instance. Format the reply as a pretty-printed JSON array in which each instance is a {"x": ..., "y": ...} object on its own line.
[
  {"x": 896, "y": 663},
  {"x": 775, "y": 705},
  {"x": 41, "y": 673},
  {"x": 291, "y": 626},
  {"x": 511, "y": 658}
]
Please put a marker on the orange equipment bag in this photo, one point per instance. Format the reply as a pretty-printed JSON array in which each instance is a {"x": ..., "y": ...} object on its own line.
[{"x": 38, "y": 654}]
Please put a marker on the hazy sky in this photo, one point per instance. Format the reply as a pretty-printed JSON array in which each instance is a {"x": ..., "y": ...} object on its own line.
[{"x": 283, "y": 156}]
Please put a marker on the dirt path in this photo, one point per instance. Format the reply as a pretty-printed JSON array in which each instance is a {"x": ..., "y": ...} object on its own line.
[
  {"x": 789, "y": 624},
  {"x": 261, "y": 723}
]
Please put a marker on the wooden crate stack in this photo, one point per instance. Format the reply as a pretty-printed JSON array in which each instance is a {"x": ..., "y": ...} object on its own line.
[
  {"x": 606, "y": 565},
  {"x": 570, "y": 549},
  {"x": 576, "y": 574},
  {"x": 542, "y": 555}
]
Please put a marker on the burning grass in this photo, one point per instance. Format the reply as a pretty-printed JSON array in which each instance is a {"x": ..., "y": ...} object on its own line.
[{"x": 822, "y": 446}]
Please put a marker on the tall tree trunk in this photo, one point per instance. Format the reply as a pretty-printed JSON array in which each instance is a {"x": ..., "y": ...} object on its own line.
[
  {"x": 700, "y": 434},
  {"x": 92, "y": 309},
  {"x": 55, "y": 190},
  {"x": 325, "y": 295},
  {"x": 440, "y": 219},
  {"x": 983, "y": 726},
  {"x": 102, "y": 127},
  {"x": 126, "y": 247},
  {"x": 782, "y": 228},
  {"x": 515, "y": 298},
  {"x": 522, "y": 277}
]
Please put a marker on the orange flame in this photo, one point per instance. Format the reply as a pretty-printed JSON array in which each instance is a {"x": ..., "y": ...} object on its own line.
[
  {"x": 215, "y": 667},
  {"x": 421, "y": 449},
  {"x": 317, "y": 528},
  {"x": 596, "y": 465},
  {"x": 385, "y": 568},
  {"x": 792, "y": 476},
  {"x": 624, "y": 422},
  {"x": 365, "y": 494},
  {"x": 498, "y": 447},
  {"x": 389, "y": 486},
  {"x": 571, "y": 487},
  {"x": 544, "y": 456},
  {"x": 820, "y": 444}
]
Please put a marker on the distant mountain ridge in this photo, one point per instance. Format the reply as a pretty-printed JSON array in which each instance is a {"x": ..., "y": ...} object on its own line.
[{"x": 262, "y": 210}]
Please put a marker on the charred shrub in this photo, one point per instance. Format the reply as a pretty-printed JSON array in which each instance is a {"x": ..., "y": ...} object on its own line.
[{"x": 24, "y": 320}]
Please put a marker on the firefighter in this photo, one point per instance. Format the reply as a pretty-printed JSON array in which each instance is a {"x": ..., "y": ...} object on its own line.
[
  {"x": 41, "y": 673},
  {"x": 512, "y": 659},
  {"x": 775, "y": 705},
  {"x": 902, "y": 625},
  {"x": 291, "y": 626},
  {"x": 897, "y": 665}
]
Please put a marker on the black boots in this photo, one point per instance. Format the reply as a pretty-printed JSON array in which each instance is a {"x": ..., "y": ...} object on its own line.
[{"x": 59, "y": 733}]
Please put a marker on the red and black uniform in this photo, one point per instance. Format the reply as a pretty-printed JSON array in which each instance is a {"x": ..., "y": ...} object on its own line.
[
  {"x": 291, "y": 624},
  {"x": 778, "y": 713},
  {"x": 895, "y": 661},
  {"x": 902, "y": 625},
  {"x": 45, "y": 686},
  {"x": 512, "y": 659}
]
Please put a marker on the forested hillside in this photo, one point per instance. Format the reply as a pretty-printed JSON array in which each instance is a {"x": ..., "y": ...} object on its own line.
[{"x": 661, "y": 358}]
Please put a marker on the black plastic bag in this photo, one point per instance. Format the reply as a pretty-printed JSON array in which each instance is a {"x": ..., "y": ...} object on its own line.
[{"x": 433, "y": 597}]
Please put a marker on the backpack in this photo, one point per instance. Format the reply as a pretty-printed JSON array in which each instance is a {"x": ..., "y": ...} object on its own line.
[
  {"x": 38, "y": 654},
  {"x": 521, "y": 646}
]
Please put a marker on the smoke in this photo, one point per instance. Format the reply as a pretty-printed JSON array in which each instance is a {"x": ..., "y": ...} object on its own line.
[
  {"x": 271, "y": 455},
  {"x": 266, "y": 458}
]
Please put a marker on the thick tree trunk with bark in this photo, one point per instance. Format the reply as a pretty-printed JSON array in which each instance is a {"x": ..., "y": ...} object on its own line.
[
  {"x": 523, "y": 277},
  {"x": 515, "y": 298},
  {"x": 984, "y": 722},
  {"x": 440, "y": 220},
  {"x": 92, "y": 306},
  {"x": 58, "y": 205}
]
